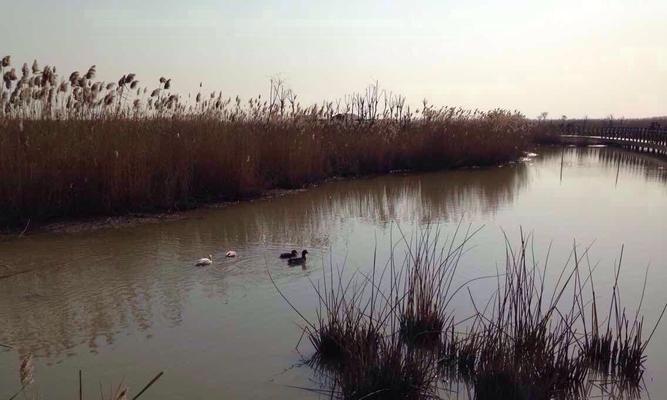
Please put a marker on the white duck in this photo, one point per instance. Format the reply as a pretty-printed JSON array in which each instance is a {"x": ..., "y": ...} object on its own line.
[
  {"x": 205, "y": 261},
  {"x": 230, "y": 253}
]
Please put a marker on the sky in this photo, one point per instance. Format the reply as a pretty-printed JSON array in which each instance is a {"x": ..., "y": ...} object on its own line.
[{"x": 576, "y": 58}]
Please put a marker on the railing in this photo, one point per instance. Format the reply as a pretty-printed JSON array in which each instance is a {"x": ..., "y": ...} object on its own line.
[{"x": 651, "y": 140}]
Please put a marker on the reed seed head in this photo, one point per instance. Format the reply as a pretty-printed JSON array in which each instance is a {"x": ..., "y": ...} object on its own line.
[
  {"x": 74, "y": 78},
  {"x": 91, "y": 73},
  {"x": 108, "y": 99},
  {"x": 26, "y": 370}
]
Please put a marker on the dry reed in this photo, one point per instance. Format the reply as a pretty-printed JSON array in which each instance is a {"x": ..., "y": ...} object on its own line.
[
  {"x": 374, "y": 333},
  {"x": 80, "y": 147}
]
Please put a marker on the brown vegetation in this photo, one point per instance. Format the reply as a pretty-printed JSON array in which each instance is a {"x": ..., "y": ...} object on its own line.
[
  {"x": 374, "y": 337},
  {"x": 81, "y": 147}
]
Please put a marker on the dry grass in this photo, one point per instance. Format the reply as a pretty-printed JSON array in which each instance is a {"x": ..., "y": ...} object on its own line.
[
  {"x": 342, "y": 331},
  {"x": 391, "y": 333},
  {"x": 619, "y": 348},
  {"x": 539, "y": 345},
  {"x": 80, "y": 147},
  {"x": 394, "y": 372},
  {"x": 526, "y": 347},
  {"x": 429, "y": 270}
]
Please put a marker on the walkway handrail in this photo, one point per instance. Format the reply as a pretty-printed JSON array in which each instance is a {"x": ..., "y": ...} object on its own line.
[
  {"x": 651, "y": 139},
  {"x": 610, "y": 130}
]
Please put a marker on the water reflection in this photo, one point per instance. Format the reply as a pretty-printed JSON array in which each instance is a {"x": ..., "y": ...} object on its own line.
[
  {"x": 635, "y": 165},
  {"x": 312, "y": 216},
  {"x": 82, "y": 288},
  {"x": 81, "y": 293}
]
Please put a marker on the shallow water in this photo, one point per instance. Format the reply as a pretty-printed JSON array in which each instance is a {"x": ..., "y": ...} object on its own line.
[{"x": 123, "y": 304}]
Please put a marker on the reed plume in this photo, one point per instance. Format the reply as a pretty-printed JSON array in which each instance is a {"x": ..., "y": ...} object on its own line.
[
  {"x": 26, "y": 370},
  {"x": 226, "y": 149}
]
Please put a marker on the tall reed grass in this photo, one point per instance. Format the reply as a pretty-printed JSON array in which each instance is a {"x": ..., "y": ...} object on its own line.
[
  {"x": 392, "y": 332},
  {"x": 74, "y": 146}
]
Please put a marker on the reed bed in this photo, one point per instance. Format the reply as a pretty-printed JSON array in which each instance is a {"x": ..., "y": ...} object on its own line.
[
  {"x": 617, "y": 348},
  {"x": 75, "y": 146},
  {"x": 394, "y": 372},
  {"x": 342, "y": 331},
  {"x": 393, "y": 334},
  {"x": 527, "y": 347},
  {"x": 429, "y": 270}
]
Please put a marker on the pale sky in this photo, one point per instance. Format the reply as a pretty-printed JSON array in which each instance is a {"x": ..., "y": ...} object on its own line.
[{"x": 577, "y": 58}]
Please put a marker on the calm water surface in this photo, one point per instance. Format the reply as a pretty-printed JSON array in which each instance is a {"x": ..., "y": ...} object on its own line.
[{"x": 123, "y": 304}]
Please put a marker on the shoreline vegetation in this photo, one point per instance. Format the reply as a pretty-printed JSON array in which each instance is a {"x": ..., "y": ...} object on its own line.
[
  {"x": 74, "y": 147},
  {"x": 391, "y": 332}
]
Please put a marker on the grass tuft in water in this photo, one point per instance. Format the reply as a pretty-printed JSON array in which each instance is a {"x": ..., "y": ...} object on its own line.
[{"x": 391, "y": 334}]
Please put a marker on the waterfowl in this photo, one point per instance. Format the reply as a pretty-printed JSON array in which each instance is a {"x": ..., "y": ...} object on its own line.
[
  {"x": 298, "y": 260},
  {"x": 291, "y": 254},
  {"x": 230, "y": 253},
  {"x": 205, "y": 261}
]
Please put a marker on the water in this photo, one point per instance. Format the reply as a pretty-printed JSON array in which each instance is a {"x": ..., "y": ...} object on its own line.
[{"x": 123, "y": 304}]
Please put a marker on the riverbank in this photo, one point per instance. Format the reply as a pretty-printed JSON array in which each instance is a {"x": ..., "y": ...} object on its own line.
[
  {"x": 82, "y": 176},
  {"x": 83, "y": 148},
  {"x": 95, "y": 223},
  {"x": 56, "y": 170}
]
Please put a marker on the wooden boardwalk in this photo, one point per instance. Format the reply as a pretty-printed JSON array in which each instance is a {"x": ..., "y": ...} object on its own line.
[{"x": 649, "y": 140}]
